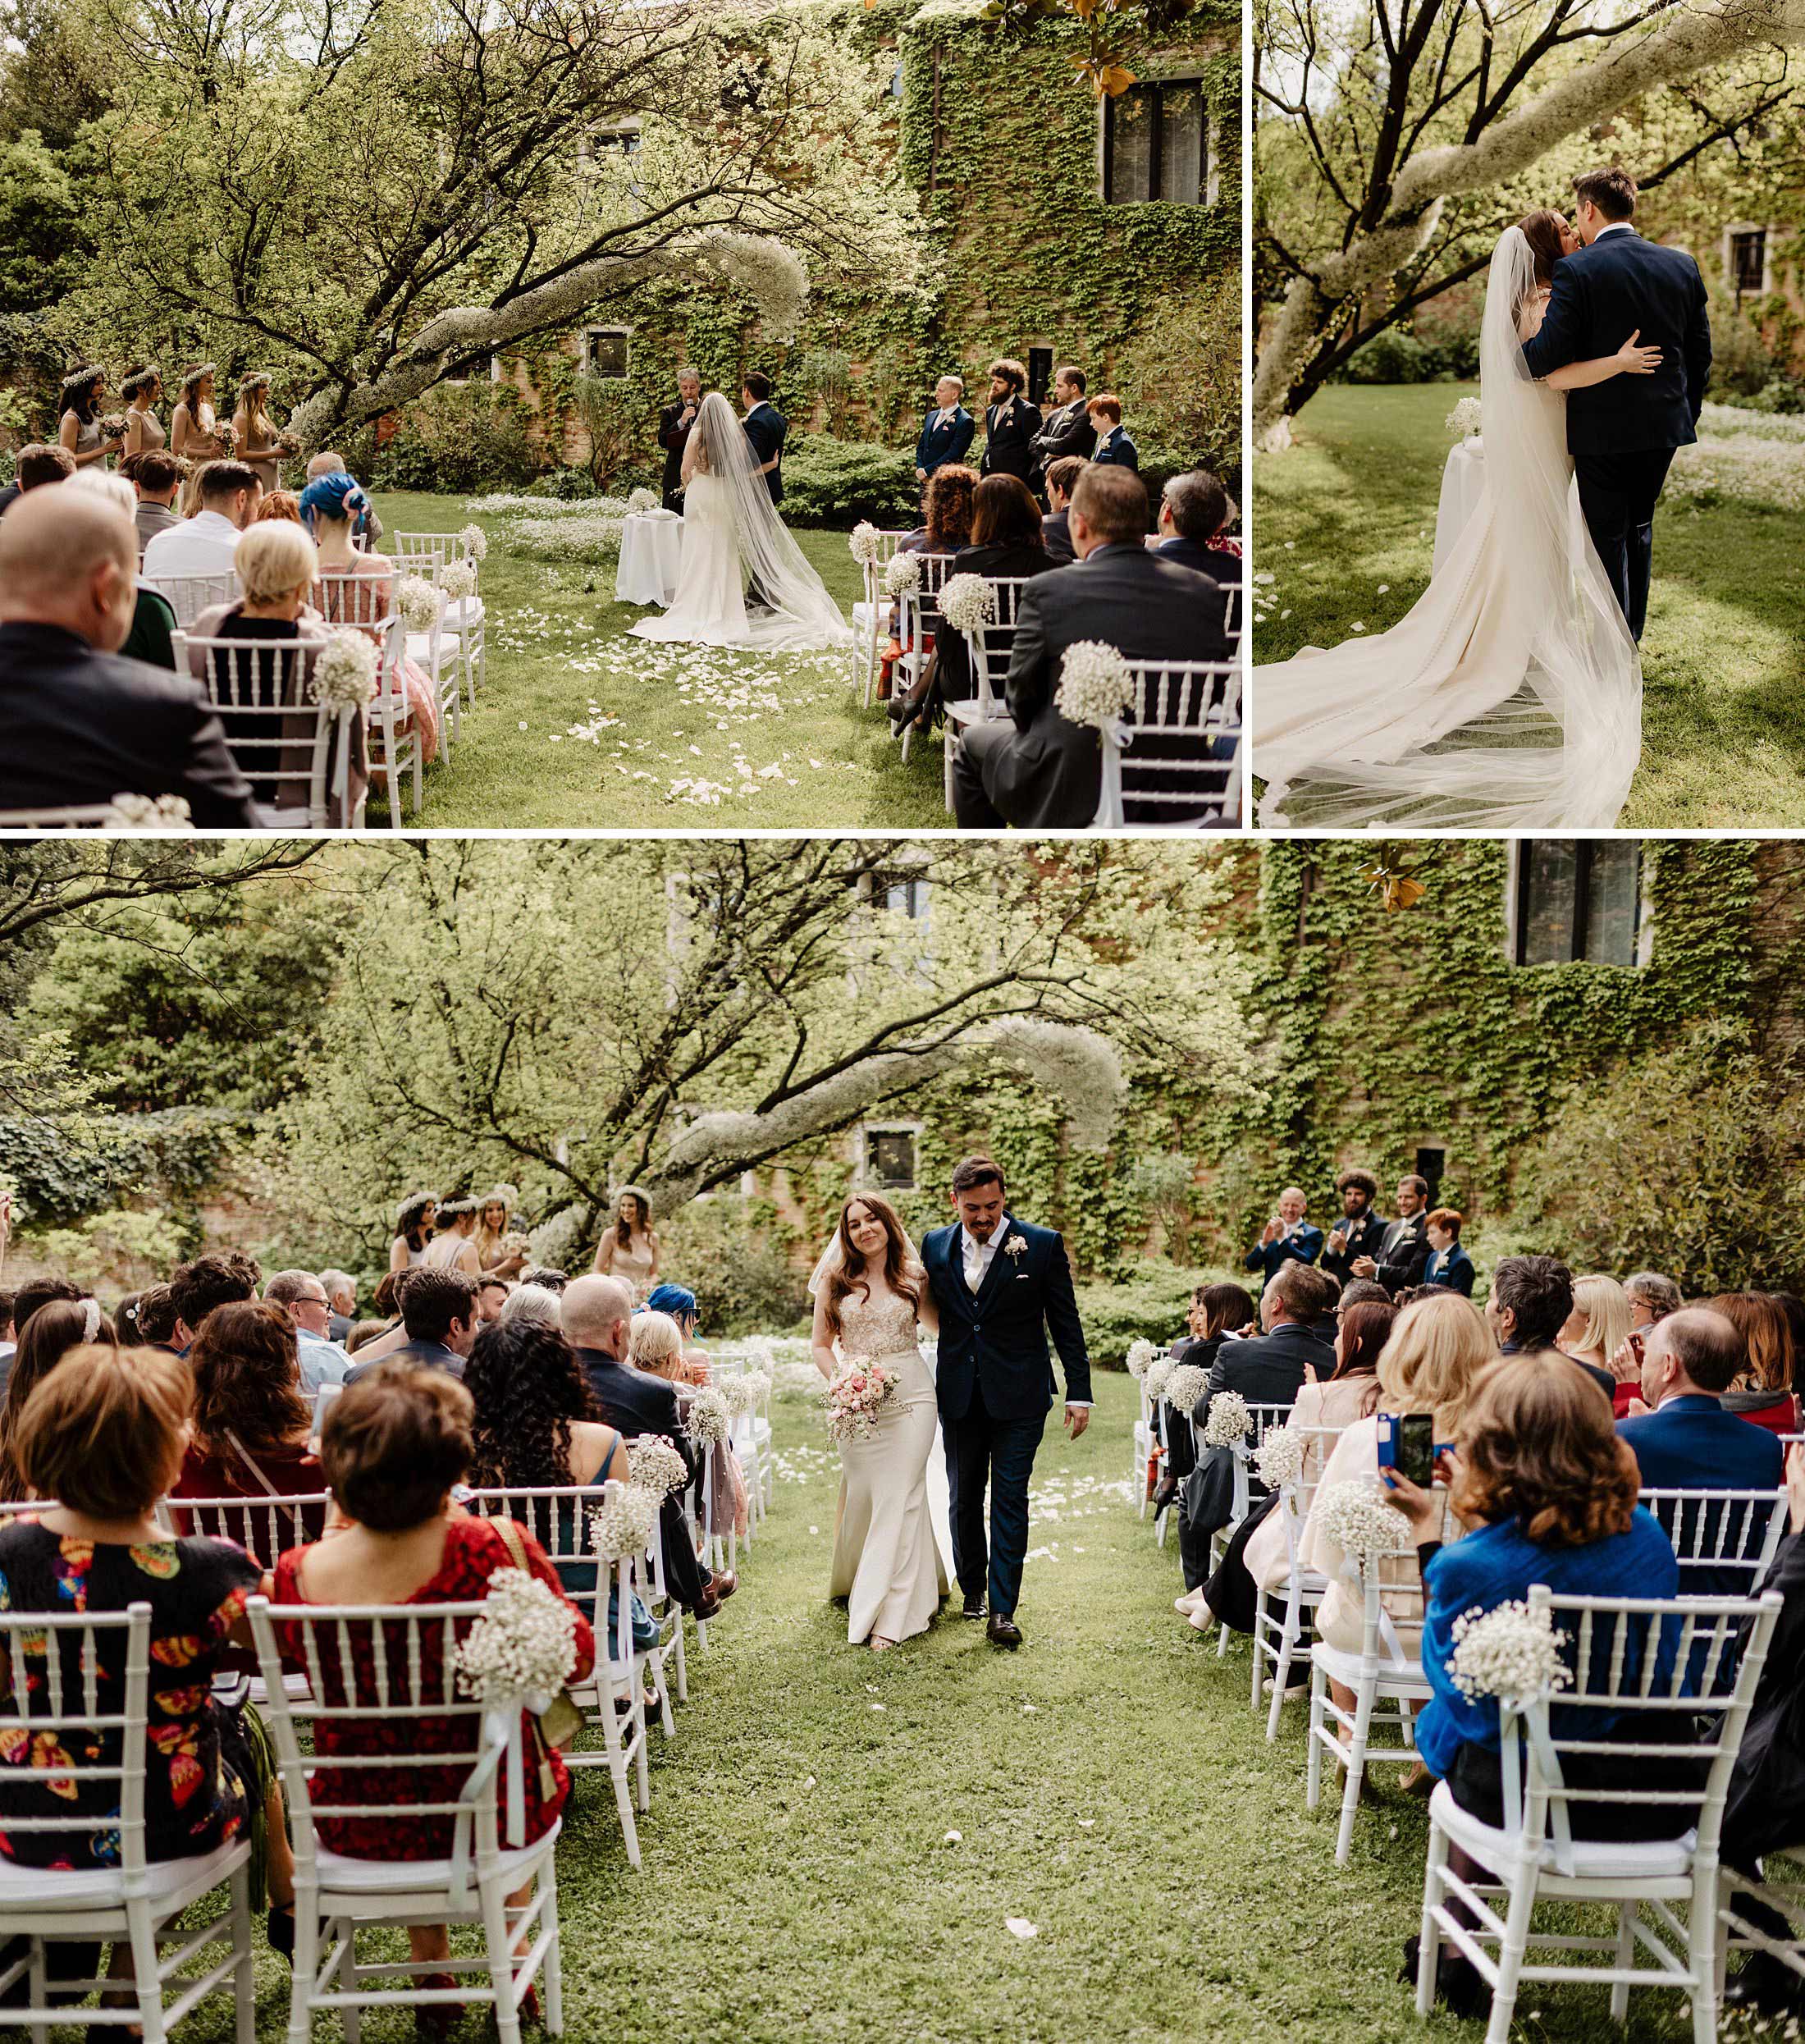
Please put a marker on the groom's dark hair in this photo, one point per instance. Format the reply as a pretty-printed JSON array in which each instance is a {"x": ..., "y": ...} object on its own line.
[
  {"x": 976, "y": 1171},
  {"x": 1612, "y": 191},
  {"x": 758, "y": 383}
]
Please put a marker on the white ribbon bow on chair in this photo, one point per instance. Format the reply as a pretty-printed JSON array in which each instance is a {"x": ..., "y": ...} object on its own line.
[{"x": 1114, "y": 737}]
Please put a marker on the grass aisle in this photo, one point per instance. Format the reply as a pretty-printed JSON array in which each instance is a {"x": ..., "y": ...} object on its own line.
[
  {"x": 1352, "y": 507},
  {"x": 557, "y": 664}
]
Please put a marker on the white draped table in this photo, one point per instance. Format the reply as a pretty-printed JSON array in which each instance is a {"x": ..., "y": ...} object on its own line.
[
  {"x": 651, "y": 551},
  {"x": 1462, "y": 481}
]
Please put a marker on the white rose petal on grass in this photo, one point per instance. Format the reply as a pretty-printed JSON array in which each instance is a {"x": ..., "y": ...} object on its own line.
[
  {"x": 953, "y": 1838},
  {"x": 877, "y": 1707},
  {"x": 1384, "y": 589},
  {"x": 1020, "y": 1927}
]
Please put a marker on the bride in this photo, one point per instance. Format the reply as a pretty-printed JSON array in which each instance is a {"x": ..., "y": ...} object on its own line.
[
  {"x": 731, "y": 528},
  {"x": 1510, "y": 696},
  {"x": 870, "y": 1292}
]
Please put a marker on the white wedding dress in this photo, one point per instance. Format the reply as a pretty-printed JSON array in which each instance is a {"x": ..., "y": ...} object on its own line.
[
  {"x": 732, "y": 531},
  {"x": 890, "y": 1543},
  {"x": 1510, "y": 696}
]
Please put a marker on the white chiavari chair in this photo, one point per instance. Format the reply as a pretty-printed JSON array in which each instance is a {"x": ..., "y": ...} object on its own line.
[
  {"x": 1191, "y": 773},
  {"x": 1724, "y": 1540},
  {"x": 297, "y": 754},
  {"x": 51, "y": 1663},
  {"x": 92, "y": 816},
  {"x": 918, "y": 612},
  {"x": 989, "y": 648},
  {"x": 189, "y": 595},
  {"x": 1262, "y": 1419},
  {"x": 1280, "y": 1616},
  {"x": 367, "y": 601},
  {"x": 871, "y": 613},
  {"x": 337, "y": 1895}
]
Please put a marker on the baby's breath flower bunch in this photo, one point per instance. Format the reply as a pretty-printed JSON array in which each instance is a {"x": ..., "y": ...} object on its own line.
[
  {"x": 1154, "y": 1376},
  {"x": 1140, "y": 1355},
  {"x": 523, "y": 1645},
  {"x": 419, "y": 602},
  {"x": 458, "y": 578},
  {"x": 1511, "y": 1652},
  {"x": 1464, "y": 418},
  {"x": 642, "y": 500},
  {"x": 475, "y": 542},
  {"x": 1359, "y": 1520},
  {"x": 622, "y": 1524},
  {"x": 968, "y": 603},
  {"x": 1095, "y": 687},
  {"x": 902, "y": 575},
  {"x": 1228, "y": 1421},
  {"x": 864, "y": 542},
  {"x": 1187, "y": 1384},
  {"x": 654, "y": 1465},
  {"x": 344, "y": 675},
  {"x": 148, "y": 812},
  {"x": 708, "y": 1420},
  {"x": 1279, "y": 1458}
]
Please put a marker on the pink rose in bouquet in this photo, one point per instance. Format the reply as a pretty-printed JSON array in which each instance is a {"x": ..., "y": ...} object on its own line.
[{"x": 854, "y": 1399}]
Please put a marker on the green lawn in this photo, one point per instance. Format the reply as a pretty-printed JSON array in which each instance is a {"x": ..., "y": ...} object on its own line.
[
  {"x": 581, "y": 728},
  {"x": 1109, "y": 1783},
  {"x": 1351, "y": 507}
]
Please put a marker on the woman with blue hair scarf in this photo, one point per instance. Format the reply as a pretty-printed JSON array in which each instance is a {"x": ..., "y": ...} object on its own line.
[
  {"x": 679, "y": 1302},
  {"x": 331, "y": 506}
]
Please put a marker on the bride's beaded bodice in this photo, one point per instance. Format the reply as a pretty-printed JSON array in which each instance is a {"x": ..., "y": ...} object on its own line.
[{"x": 883, "y": 1325}]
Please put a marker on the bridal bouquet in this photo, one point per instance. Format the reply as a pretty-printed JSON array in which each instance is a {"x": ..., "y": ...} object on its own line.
[
  {"x": 968, "y": 603},
  {"x": 1511, "y": 1652},
  {"x": 902, "y": 575},
  {"x": 854, "y": 1399},
  {"x": 1359, "y": 1520},
  {"x": 458, "y": 578},
  {"x": 344, "y": 675},
  {"x": 653, "y": 1464},
  {"x": 419, "y": 602},
  {"x": 708, "y": 1420},
  {"x": 1095, "y": 687},
  {"x": 1466, "y": 419},
  {"x": 522, "y": 1647},
  {"x": 1187, "y": 1384},
  {"x": 622, "y": 1524},
  {"x": 148, "y": 812},
  {"x": 864, "y": 543},
  {"x": 1228, "y": 1421},
  {"x": 642, "y": 500},
  {"x": 475, "y": 542}
]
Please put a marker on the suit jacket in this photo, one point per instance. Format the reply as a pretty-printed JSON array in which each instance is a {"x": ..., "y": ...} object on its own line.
[
  {"x": 1692, "y": 1443},
  {"x": 1067, "y": 430},
  {"x": 1048, "y": 773},
  {"x": 1117, "y": 451},
  {"x": 635, "y": 1402},
  {"x": 1303, "y": 1245},
  {"x": 77, "y": 726},
  {"x": 1450, "y": 1268},
  {"x": 1603, "y": 294},
  {"x": 940, "y": 443},
  {"x": 1009, "y": 432},
  {"x": 435, "y": 1355},
  {"x": 1207, "y": 560},
  {"x": 1056, "y": 530},
  {"x": 151, "y": 518},
  {"x": 1268, "y": 1370},
  {"x": 674, "y": 438},
  {"x": 1364, "y": 1238},
  {"x": 766, "y": 427},
  {"x": 995, "y": 1344},
  {"x": 1403, "y": 1253}
]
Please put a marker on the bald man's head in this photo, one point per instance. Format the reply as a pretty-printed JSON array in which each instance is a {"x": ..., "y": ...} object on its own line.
[
  {"x": 69, "y": 558},
  {"x": 597, "y": 1313}
]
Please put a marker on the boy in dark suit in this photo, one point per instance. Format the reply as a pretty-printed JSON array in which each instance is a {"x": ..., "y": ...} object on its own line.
[
  {"x": 1449, "y": 1265},
  {"x": 1113, "y": 447}
]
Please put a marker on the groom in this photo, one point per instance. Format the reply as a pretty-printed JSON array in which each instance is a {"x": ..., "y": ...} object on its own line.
[
  {"x": 1623, "y": 433},
  {"x": 1000, "y": 1285},
  {"x": 764, "y": 428}
]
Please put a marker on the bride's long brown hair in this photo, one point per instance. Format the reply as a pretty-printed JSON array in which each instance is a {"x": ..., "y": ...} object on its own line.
[{"x": 903, "y": 1277}]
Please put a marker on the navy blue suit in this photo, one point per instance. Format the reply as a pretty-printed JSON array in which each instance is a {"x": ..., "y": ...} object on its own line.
[
  {"x": 995, "y": 1383},
  {"x": 1622, "y": 433},
  {"x": 1303, "y": 1245},
  {"x": 1222, "y": 568},
  {"x": 766, "y": 427},
  {"x": 941, "y": 443},
  {"x": 1692, "y": 1443},
  {"x": 1117, "y": 450},
  {"x": 1450, "y": 1268}
]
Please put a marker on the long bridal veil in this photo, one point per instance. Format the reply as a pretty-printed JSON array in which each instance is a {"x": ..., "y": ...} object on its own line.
[{"x": 1510, "y": 696}]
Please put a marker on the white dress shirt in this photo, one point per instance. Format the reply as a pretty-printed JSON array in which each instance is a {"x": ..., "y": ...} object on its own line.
[
  {"x": 203, "y": 545},
  {"x": 976, "y": 1259}
]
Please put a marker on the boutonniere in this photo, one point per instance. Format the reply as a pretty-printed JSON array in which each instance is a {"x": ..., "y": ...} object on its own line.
[{"x": 1015, "y": 1245}]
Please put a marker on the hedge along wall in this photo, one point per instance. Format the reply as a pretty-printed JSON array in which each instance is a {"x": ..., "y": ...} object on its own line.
[
  {"x": 1384, "y": 1032},
  {"x": 999, "y": 143}
]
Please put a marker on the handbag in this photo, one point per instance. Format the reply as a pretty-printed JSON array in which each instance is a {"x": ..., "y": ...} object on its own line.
[{"x": 562, "y": 1718}]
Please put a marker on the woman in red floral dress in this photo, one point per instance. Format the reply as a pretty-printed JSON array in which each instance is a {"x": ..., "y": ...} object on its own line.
[{"x": 394, "y": 1445}]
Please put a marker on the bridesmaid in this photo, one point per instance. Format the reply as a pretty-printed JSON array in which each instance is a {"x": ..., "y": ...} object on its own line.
[
  {"x": 193, "y": 429},
  {"x": 628, "y": 1249},
  {"x": 258, "y": 441},
  {"x": 78, "y": 428},
  {"x": 143, "y": 430}
]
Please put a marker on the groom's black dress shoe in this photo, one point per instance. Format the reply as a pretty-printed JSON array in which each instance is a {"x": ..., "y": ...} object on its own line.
[
  {"x": 974, "y": 1606},
  {"x": 1002, "y": 1631}
]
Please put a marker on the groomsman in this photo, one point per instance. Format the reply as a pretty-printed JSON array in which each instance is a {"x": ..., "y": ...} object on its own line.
[
  {"x": 1010, "y": 423},
  {"x": 1360, "y": 1232},
  {"x": 1404, "y": 1251},
  {"x": 1067, "y": 432},
  {"x": 674, "y": 422},
  {"x": 947, "y": 430},
  {"x": 1113, "y": 448},
  {"x": 1056, "y": 527},
  {"x": 1287, "y": 1238}
]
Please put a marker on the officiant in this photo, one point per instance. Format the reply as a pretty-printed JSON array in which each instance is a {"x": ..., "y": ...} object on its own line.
[{"x": 674, "y": 422}]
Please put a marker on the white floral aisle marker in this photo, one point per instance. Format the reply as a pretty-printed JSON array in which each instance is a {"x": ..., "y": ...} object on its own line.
[
  {"x": 518, "y": 1654},
  {"x": 1187, "y": 1384},
  {"x": 1141, "y": 1355},
  {"x": 344, "y": 676},
  {"x": 1511, "y": 1652},
  {"x": 1360, "y": 1519},
  {"x": 1280, "y": 1457},
  {"x": 1228, "y": 1420}
]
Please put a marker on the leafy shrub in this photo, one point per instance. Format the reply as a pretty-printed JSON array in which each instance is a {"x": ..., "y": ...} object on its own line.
[
  {"x": 737, "y": 1270},
  {"x": 566, "y": 486},
  {"x": 1740, "y": 363},
  {"x": 458, "y": 441},
  {"x": 837, "y": 482},
  {"x": 1150, "y": 1306},
  {"x": 1396, "y": 356}
]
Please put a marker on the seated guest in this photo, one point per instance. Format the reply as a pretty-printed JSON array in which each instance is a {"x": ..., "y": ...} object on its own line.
[
  {"x": 80, "y": 723},
  {"x": 1113, "y": 447},
  {"x": 598, "y": 1325},
  {"x": 283, "y": 505},
  {"x": 533, "y": 1303},
  {"x": 50, "y": 1332},
  {"x": 393, "y": 1447},
  {"x": 1683, "y": 1438},
  {"x": 1762, "y": 1392},
  {"x": 1006, "y": 543},
  {"x": 1036, "y": 769},
  {"x": 548, "y": 1279},
  {"x": 1067, "y": 433},
  {"x": 35, "y": 466},
  {"x": 1404, "y": 1247},
  {"x": 105, "y": 1437},
  {"x": 947, "y": 429},
  {"x": 1193, "y": 510},
  {"x": 1055, "y": 528},
  {"x": 156, "y": 1320},
  {"x": 491, "y": 1295},
  {"x": 1216, "y": 1312},
  {"x": 656, "y": 1346},
  {"x": 1449, "y": 1266},
  {"x": 1530, "y": 1302},
  {"x": 1359, "y": 1231},
  {"x": 152, "y": 638},
  {"x": 365, "y": 526},
  {"x": 1297, "y": 1331},
  {"x": 946, "y": 512},
  {"x": 679, "y": 1302},
  {"x": 207, "y": 544},
  {"x": 304, "y": 1298},
  {"x": 340, "y": 1289},
  {"x": 1286, "y": 1237},
  {"x": 1651, "y": 1298},
  {"x": 1598, "y": 1325},
  {"x": 155, "y": 479},
  {"x": 201, "y": 1287},
  {"x": 253, "y": 1424},
  {"x": 438, "y": 1311},
  {"x": 1010, "y": 423}
]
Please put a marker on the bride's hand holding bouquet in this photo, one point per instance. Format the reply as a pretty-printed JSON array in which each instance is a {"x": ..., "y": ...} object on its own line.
[{"x": 854, "y": 1396}]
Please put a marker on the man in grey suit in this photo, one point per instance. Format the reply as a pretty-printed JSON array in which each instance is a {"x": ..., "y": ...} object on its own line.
[{"x": 1036, "y": 770}]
